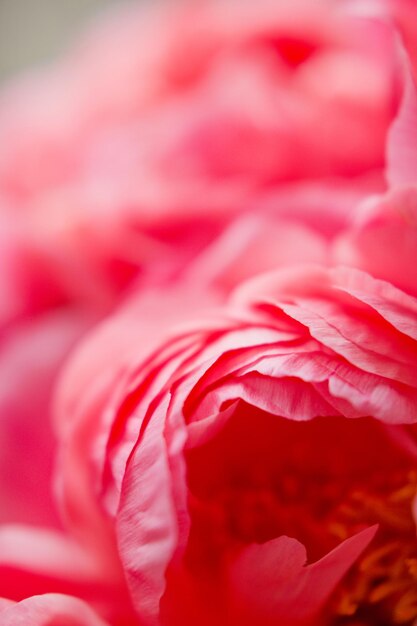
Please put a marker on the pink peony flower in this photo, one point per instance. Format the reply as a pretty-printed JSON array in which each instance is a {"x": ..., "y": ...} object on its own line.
[{"x": 262, "y": 458}]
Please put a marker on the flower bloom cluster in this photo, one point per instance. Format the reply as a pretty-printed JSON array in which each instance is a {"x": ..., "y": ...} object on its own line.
[{"x": 216, "y": 204}]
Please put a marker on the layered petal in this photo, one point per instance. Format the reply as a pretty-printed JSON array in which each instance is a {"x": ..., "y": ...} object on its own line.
[
  {"x": 382, "y": 224},
  {"x": 301, "y": 362}
]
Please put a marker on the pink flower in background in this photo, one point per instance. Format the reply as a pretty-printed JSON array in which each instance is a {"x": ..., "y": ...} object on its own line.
[{"x": 128, "y": 156}]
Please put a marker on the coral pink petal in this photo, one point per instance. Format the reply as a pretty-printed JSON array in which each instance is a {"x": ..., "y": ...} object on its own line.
[
  {"x": 363, "y": 319},
  {"x": 5, "y": 603},
  {"x": 392, "y": 304},
  {"x": 384, "y": 223},
  {"x": 50, "y": 610},
  {"x": 101, "y": 365},
  {"x": 34, "y": 560},
  {"x": 31, "y": 354},
  {"x": 271, "y": 582},
  {"x": 146, "y": 523},
  {"x": 254, "y": 244}
]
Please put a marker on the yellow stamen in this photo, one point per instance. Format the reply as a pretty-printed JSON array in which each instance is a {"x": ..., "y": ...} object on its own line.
[{"x": 384, "y": 582}]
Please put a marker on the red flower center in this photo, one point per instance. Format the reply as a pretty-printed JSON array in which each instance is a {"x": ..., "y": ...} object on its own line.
[{"x": 320, "y": 482}]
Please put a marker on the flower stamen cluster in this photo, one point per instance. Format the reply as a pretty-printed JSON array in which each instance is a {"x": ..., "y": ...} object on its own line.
[{"x": 382, "y": 587}]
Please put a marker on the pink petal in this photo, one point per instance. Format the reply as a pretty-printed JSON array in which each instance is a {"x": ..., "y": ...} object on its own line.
[
  {"x": 30, "y": 356},
  {"x": 271, "y": 584},
  {"x": 35, "y": 558},
  {"x": 146, "y": 522},
  {"x": 50, "y": 610},
  {"x": 384, "y": 223},
  {"x": 4, "y": 603},
  {"x": 367, "y": 321}
]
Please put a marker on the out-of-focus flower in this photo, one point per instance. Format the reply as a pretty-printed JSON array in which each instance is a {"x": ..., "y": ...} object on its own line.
[
  {"x": 128, "y": 156},
  {"x": 290, "y": 225},
  {"x": 270, "y": 436}
]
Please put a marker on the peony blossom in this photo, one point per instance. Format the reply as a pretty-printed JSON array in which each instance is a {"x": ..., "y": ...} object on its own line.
[{"x": 264, "y": 458}]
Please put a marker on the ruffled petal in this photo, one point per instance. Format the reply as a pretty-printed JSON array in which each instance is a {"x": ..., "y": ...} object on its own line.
[{"x": 381, "y": 224}]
